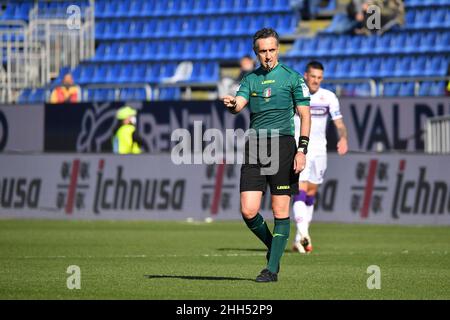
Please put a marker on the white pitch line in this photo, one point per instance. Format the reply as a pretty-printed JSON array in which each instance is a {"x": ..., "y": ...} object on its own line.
[{"x": 205, "y": 255}]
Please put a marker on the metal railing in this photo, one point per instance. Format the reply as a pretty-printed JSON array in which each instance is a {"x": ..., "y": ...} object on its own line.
[
  {"x": 417, "y": 82},
  {"x": 341, "y": 82},
  {"x": 67, "y": 40},
  {"x": 437, "y": 135},
  {"x": 33, "y": 53}
]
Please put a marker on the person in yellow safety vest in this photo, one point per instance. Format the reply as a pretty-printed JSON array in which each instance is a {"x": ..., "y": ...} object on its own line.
[{"x": 126, "y": 139}]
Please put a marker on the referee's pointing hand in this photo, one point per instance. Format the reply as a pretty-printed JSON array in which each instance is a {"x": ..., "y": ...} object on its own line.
[{"x": 229, "y": 101}]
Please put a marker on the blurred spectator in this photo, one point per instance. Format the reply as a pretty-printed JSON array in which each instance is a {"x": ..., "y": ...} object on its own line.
[
  {"x": 392, "y": 14},
  {"x": 359, "y": 17},
  {"x": 307, "y": 9},
  {"x": 228, "y": 85},
  {"x": 67, "y": 92},
  {"x": 126, "y": 139}
]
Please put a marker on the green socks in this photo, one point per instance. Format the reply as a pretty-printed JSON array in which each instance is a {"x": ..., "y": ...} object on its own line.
[
  {"x": 280, "y": 238},
  {"x": 260, "y": 229}
]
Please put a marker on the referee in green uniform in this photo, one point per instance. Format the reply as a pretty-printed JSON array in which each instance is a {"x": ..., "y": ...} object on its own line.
[{"x": 273, "y": 93}]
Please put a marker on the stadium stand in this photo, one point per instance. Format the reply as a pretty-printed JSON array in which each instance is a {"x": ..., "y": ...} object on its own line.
[{"x": 143, "y": 42}]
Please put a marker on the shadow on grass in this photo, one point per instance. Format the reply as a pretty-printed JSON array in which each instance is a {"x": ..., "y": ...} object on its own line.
[
  {"x": 242, "y": 249},
  {"x": 248, "y": 249},
  {"x": 163, "y": 276}
]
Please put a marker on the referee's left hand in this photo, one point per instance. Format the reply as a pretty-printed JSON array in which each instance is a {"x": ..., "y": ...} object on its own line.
[{"x": 299, "y": 162}]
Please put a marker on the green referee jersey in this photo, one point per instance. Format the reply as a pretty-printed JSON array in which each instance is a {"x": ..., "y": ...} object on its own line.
[{"x": 272, "y": 98}]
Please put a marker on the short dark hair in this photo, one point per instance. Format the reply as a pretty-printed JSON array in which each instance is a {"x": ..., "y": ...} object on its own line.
[
  {"x": 263, "y": 34},
  {"x": 314, "y": 65}
]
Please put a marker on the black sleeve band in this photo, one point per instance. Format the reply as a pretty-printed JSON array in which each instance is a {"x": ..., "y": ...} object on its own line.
[{"x": 303, "y": 142}]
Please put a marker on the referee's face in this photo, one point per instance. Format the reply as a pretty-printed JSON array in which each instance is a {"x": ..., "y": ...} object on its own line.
[{"x": 267, "y": 51}]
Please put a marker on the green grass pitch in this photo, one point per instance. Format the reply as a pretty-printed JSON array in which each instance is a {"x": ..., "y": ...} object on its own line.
[{"x": 219, "y": 260}]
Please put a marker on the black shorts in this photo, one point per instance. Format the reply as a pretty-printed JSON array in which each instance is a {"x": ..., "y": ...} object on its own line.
[{"x": 258, "y": 171}]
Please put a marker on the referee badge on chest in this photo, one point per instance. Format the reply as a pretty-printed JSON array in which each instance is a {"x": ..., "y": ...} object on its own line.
[{"x": 267, "y": 93}]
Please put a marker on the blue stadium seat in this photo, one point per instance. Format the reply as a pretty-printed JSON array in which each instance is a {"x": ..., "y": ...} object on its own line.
[
  {"x": 137, "y": 51},
  {"x": 198, "y": 26},
  {"x": 406, "y": 89},
  {"x": 111, "y": 30},
  {"x": 257, "y": 22},
  {"x": 362, "y": 90},
  {"x": 382, "y": 44},
  {"x": 162, "y": 25},
  {"x": 135, "y": 8},
  {"x": 138, "y": 72},
  {"x": 243, "y": 25},
  {"x": 324, "y": 46},
  {"x": 103, "y": 95},
  {"x": 348, "y": 89},
  {"x": 148, "y": 8},
  {"x": 86, "y": 73},
  {"x": 342, "y": 68},
  {"x": 412, "y": 42},
  {"x": 422, "y": 18},
  {"x": 353, "y": 45},
  {"x": 418, "y": 64},
  {"x": 191, "y": 49},
  {"x": 100, "y": 30},
  {"x": 112, "y": 51},
  {"x": 357, "y": 68},
  {"x": 110, "y": 9},
  {"x": 229, "y": 26},
  {"x": 427, "y": 41},
  {"x": 206, "y": 48},
  {"x": 310, "y": 47},
  {"x": 126, "y": 94},
  {"x": 163, "y": 50},
  {"x": 9, "y": 12},
  {"x": 396, "y": 43},
  {"x": 213, "y": 6},
  {"x": 25, "y": 95},
  {"x": 176, "y": 50},
  {"x": 185, "y": 7},
  {"x": 340, "y": 42},
  {"x": 368, "y": 44},
  {"x": 149, "y": 28},
  {"x": 161, "y": 8},
  {"x": 329, "y": 65},
  {"x": 100, "y": 73},
  {"x": 153, "y": 73},
  {"x": 218, "y": 46},
  {"x": 199, "y": 7},
  {"x": 100, "y": 52},
  {"x": 329, "y": 86},
  {"x": 438, "y": 88},
  {"x": 37, "y": 96},
  {"x": 403, "y": 67},
  {"x": 122, "y": 9},
  {"x": 436, "y": 66},
  {"x": 132, "y": 94},
  {"x": 438, "y": 18},
  {"x": 387, "y": 67},
  {"x": 169, "y": 93},
  {"x": 216, "y": 26},
  {"x": 442, "y": 42},
  {"x": 391, "y": 89},
  {"x": 286, "y": 23},
  {"x": 425, "y": 88},
  {"x": 295, "y": 49},
  {"x": 167, "y": 70}
]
